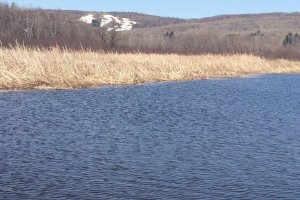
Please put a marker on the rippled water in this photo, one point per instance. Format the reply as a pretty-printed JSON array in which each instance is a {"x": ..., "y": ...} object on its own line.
[{"x": 215, "y": 139}]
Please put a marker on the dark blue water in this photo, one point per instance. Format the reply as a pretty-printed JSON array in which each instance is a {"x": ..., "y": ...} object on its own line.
[{"x": 215, "y": 139}]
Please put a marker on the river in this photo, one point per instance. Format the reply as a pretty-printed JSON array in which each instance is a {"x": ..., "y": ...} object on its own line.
[{"x": 211, "y": 139}]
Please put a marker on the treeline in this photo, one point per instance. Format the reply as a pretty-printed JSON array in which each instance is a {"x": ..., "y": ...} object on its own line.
[
  {"x": 46, "y": 28},
  {"x": 189, "y": 42}
]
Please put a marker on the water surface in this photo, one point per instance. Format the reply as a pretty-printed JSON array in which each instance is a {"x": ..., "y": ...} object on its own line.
[{"x": 214, "y": 139}]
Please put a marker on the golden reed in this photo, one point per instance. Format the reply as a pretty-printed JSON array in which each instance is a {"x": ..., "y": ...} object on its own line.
[{"x": 24, "y": 68}]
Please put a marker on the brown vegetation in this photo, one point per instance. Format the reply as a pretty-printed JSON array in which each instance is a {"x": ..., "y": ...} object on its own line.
[
  {"x": 23, "y": 68},
  {"x": 59, "y": 52}
]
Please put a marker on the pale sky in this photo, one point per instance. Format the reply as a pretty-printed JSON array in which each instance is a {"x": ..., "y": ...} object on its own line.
[{"x": 171, "y": 8}]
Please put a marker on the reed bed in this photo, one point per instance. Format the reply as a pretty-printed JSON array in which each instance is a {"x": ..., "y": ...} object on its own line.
[{"x": 23, "y": 68}]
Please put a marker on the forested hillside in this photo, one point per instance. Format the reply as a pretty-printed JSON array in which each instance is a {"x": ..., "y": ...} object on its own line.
[{"x": 268, "y": 35}]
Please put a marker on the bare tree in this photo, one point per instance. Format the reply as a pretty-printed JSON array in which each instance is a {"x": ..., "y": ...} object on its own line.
[
  {"x": 113, "y": 39},
  {"x": 108, "y": 39},
  {"x": 102, "y": 33},
  {"x": 29, "y": 24}
]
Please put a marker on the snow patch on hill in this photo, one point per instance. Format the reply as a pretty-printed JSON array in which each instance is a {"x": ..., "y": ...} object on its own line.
[
  {"x": 110, "y": 22},
  {"x": 87, "y": 19}
]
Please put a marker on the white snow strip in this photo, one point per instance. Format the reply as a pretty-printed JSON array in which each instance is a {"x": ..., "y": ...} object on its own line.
[
  {"x": 87, "y": 19},
  {"x": 123, "y": 24}
]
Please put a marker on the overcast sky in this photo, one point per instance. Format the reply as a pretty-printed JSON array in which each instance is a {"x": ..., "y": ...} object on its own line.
[{"x": 171, "y": 8}]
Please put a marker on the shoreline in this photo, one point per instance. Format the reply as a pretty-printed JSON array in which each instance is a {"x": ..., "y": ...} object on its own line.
[
  {"x": 56, "y": 69},
  {"x": 141, "y": 84},
  {"x": 133, "y": 84}
]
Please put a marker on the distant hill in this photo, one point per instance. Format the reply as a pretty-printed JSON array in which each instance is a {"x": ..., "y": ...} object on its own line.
[
  {"x": 268, "y": 34},
  {"x": 268, "y": 23},
  {"x": 271, "y": 24},
  {"x": 144, "y": 20}
]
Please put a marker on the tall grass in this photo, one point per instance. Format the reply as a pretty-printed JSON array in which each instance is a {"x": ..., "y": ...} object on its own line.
[{"x": 23, "y": 68}]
